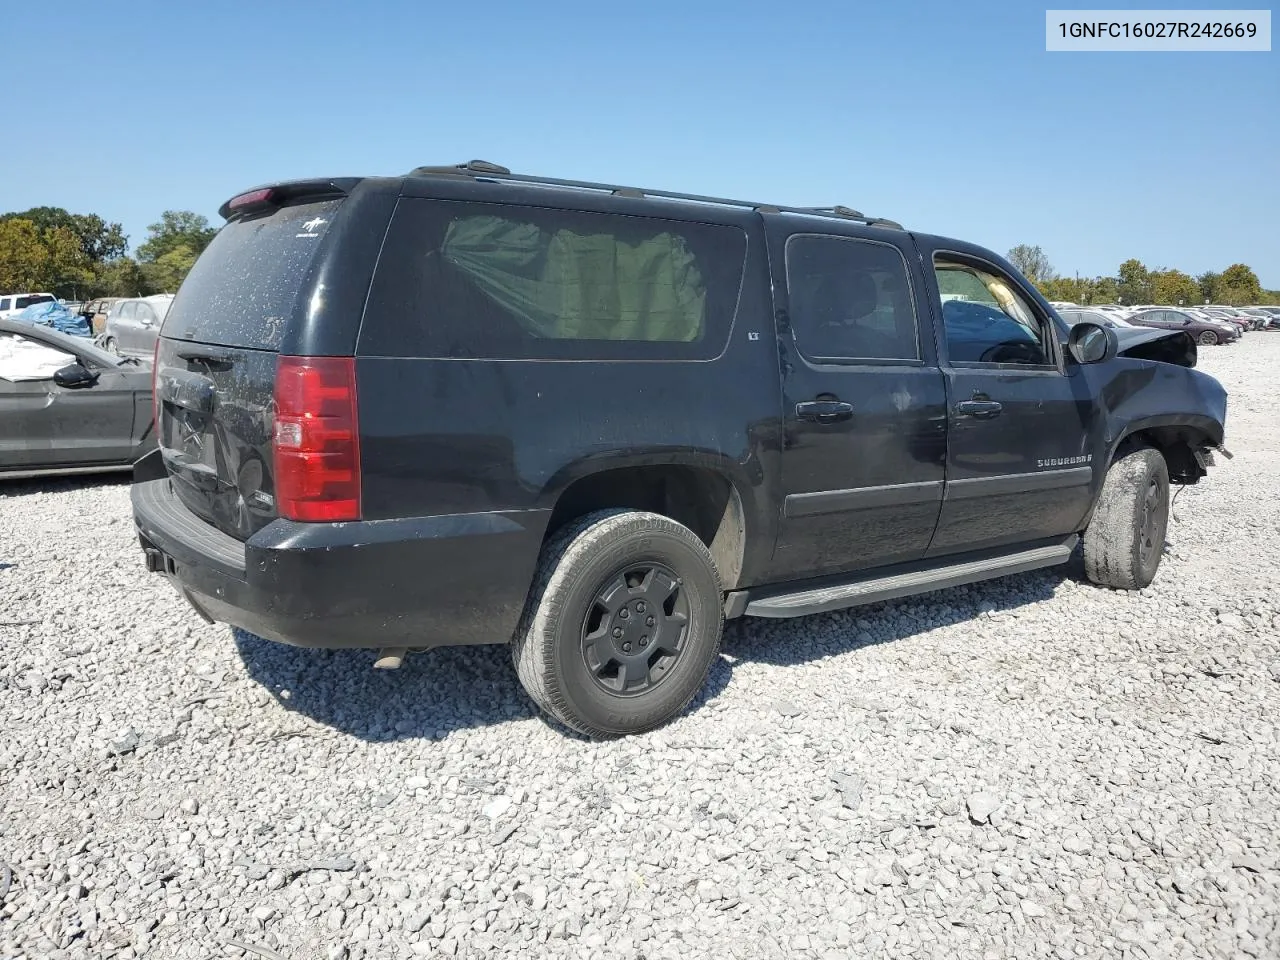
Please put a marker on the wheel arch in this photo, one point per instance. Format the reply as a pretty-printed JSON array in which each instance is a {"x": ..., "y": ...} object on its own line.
[
  {"x": 700, "y": 492},
  {"x": 1184, "y": 440}
]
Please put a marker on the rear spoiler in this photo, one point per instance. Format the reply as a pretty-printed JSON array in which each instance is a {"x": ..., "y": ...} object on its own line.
[{"x": 273, "y": 196}]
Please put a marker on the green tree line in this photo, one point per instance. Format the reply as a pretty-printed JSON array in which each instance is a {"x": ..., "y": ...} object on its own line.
[
  {"x": 81, "y": 256},
  {"x": 1134, "y": 282}
]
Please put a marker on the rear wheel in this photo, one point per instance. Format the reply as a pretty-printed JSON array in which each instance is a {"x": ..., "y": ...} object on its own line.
[
  {"x": 1208, "y": 338},
  {"x": 622, "y": 625},
  {"x": 1125, "y": 539},
  {"x": 109, "y": 345}
]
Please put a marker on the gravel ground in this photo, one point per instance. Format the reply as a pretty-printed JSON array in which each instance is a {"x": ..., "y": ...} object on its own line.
[{"x": 1032, "y": 767}]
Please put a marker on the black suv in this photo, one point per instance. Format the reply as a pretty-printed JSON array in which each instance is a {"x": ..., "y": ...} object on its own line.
[{"x": 463, "y": 406}]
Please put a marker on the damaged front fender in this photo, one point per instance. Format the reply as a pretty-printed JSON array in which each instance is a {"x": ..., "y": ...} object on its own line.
[{"x": 1179, "y": 411}]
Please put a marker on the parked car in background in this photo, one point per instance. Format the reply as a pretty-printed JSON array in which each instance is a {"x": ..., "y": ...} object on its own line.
[
  {"x": 1234, "y": 315},
  {"x": 133, "y": 325},
  {"x": 1207, "y": 332},
  {"x": 67, "y": 406},
  {"x": 1230, "y": 315},
  {"x": 12, "y": 304},
  {"x": 95, "y": 311},
  {"x": 1258, "y": 315},
  {"x": 1106, "y": 318},
  {"x": 1114, "y": 310}
]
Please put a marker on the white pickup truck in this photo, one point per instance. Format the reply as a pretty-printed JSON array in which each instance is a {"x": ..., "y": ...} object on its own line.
[{"x": 12, "y": 304}]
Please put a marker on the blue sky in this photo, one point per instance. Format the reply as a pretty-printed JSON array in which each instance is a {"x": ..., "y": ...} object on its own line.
[{"x": 949, "y": 117}]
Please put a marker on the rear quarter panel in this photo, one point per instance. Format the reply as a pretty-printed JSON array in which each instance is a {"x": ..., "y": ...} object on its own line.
[{"x": 467, "y": 436}]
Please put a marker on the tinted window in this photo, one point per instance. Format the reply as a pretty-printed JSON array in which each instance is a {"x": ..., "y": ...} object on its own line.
[
  {"x": 474, "y": 280},
  {"x": 987, "y": 321},
  {"x": 243, "y": 288},
  {"x": 4, "y": 303},
  {"x": 21, "y": 303},
  {"x": 850, "y": 299}
]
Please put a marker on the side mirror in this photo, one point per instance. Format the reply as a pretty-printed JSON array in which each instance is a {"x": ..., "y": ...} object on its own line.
[
  {"x": 1092, "y": 343},
  {"x": 75, "y": 375}
]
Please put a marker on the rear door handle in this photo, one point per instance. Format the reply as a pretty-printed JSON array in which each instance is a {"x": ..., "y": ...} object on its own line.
[
  {"x": 980, "y": 409},
  {"x": 824, "y": 411}
]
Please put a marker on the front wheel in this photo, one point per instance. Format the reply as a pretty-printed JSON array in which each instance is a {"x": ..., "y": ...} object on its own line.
[
  {"x": 1208, "y": 338},
  {"x": 1125, "y": 539},
  {"x": 622, "y": 625}
]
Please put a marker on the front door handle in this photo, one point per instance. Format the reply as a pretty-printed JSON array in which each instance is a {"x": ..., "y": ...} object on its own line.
[
  {"x": 824, "y": 411},
  {"x": 980, "y": 409}
]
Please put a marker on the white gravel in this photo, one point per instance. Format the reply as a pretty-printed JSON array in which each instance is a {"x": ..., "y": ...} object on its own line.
[{"x": 1033, "y": 767}]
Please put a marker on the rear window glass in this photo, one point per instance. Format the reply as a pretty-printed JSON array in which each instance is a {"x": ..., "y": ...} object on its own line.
[
  {"x": 23, "y": 302},
  {"x": 473, "y": 280},
  {"x": 243, "y": 289}
]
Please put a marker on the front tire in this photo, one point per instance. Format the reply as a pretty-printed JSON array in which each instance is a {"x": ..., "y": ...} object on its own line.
[
  {"x": 1208, "y": 338},
  {"x": 622, "y": 624},
  {"x": 1125, "y": 539}
]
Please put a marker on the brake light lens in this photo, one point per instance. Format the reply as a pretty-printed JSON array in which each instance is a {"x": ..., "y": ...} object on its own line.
[
  {"x": 316, "y": 443},
  {"x": 251, "y": 199}
]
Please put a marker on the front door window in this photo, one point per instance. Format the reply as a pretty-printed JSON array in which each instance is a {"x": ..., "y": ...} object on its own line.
[{"x": 987, "y": 322}]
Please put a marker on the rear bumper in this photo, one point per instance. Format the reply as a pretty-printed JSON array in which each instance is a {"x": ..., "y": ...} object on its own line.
[{"x": 421, "y": 582}]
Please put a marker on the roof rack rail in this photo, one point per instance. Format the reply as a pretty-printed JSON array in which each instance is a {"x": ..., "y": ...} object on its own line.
[{"x": 484, "y": 170}]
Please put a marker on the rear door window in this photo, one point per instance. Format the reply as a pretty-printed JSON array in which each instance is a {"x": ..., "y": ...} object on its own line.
[
  {"x": 475, "y": 280},
  {"x": 243, "y": 289},
  {"x": 850, "y": 299}
]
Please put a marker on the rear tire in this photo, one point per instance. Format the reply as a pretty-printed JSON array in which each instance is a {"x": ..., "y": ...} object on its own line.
[
  {"x": 1125, "y": 539},
  {"x": 622, "y": 624},
  {"x": 109, "y": 345}
]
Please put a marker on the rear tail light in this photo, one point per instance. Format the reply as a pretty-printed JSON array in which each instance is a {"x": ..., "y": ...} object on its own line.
[{"x": 317, "y": 439}]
